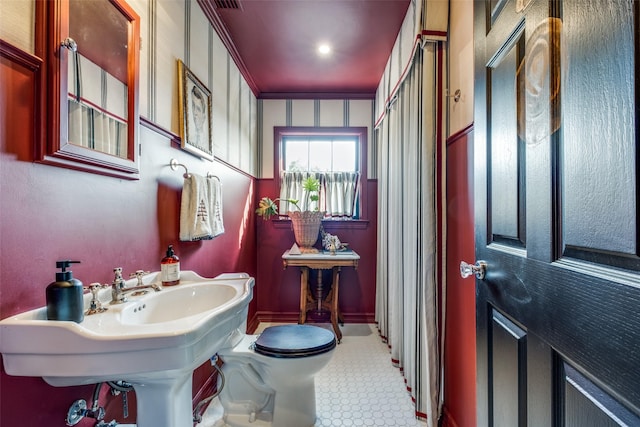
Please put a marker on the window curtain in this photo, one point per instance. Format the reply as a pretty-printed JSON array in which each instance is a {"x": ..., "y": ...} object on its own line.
[
  {"x": 89, "y": 127},
  {"x": 338, "y": 192},
  {"x": 406, "y": 289}
]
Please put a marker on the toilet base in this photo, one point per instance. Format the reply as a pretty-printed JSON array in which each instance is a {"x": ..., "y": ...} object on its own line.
[
  {"x": 238, "y": 420},
  {"x": 293, "y": 406},
  {"x": 270, "y": 378},
  {"x": 241, "y": 420}
]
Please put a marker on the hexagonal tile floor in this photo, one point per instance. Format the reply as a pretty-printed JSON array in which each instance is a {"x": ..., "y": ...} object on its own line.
[{"x": 359, "y": 387}]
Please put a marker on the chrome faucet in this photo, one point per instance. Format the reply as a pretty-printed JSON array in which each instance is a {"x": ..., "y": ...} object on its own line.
[
  {"x": 117, "y": 296},
  {"x": 139, "y": 274},
  {"x": 119, "y": 291}
]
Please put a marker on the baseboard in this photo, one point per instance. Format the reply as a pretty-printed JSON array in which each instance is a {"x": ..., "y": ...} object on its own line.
[
  {"x": 253, "y": 323},
  {"x": 279, "y": 317},
  {"x": 359, "y": 317}
]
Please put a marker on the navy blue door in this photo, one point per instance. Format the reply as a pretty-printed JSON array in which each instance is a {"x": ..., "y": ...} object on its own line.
[{"x": 556, "y": 207}]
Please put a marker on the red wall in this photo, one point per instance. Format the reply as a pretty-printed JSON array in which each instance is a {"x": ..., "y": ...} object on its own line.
[
  {"x": 460, "y": 341},
  {"x": 49, "y": 213},
  {"x": 279, "y": 289}
]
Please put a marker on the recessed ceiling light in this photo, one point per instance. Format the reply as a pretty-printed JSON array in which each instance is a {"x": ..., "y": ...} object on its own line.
[{"x": 324, "y": 49}]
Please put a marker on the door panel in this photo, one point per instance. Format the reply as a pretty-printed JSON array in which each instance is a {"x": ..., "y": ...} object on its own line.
[
  {"x": 506, "y": 154},
  {"x": 556, "y": 177},
  {"x": 599, "y": 144},
  {"x": 508, "y": 362},
  {"x": 585, "y": 404}
]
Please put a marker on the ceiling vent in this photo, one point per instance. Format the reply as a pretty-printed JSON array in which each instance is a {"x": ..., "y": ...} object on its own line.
[{"x": 227, "y": 4}]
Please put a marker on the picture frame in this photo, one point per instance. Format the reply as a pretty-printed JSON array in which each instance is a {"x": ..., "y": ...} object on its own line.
[{"x": 195, "y": 114}]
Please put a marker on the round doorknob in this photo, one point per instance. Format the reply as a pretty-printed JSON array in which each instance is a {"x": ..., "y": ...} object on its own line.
[
  {"x": 70, "y": 44},
  {"x": 479, "y": 269}
]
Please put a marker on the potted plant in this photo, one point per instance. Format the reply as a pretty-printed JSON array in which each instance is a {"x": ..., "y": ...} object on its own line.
[{"x": 306, "y": 224}]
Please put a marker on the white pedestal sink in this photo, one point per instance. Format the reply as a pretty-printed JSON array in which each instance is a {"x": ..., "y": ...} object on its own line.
[{"x": 153, "y": 341}]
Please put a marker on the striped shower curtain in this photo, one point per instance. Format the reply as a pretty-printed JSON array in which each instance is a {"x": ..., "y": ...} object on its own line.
[{"x": 406, "y": 289}]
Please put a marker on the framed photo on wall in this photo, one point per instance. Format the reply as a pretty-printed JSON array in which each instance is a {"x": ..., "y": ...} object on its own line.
[{"x": 195, "y": 114}]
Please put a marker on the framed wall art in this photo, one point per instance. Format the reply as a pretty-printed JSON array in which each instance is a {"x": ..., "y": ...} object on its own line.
[{"x": 195, "y": 114}]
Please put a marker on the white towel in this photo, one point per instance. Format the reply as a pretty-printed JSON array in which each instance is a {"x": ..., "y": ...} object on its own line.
[
  {"x": 200, "y": 209},
  {"x": 215, "y": 196}
]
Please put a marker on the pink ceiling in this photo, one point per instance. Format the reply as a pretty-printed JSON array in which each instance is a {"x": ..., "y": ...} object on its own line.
[{"x": 274, "y": 43}]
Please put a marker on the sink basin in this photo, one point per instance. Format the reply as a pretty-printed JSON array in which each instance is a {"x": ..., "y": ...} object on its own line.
[
  {"x": 186, "y": 302},
  {"x": 153, "y": 341}
]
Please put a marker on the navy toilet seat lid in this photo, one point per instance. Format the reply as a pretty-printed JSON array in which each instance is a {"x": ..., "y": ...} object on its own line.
[{"x": 289, "y": 341}]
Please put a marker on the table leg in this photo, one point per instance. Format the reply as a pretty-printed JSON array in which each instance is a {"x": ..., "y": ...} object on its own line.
[
  {"x": 304, "y": 277},
  {"x": 319, "y": 292},
  {"x": 334, "y": 303}
]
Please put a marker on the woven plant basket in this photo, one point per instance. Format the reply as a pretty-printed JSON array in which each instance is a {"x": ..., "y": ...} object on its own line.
[{"x": 306, "y": 228}]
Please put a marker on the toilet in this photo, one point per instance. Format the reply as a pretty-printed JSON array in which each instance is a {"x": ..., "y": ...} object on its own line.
[{"x": 269, "y": 378}]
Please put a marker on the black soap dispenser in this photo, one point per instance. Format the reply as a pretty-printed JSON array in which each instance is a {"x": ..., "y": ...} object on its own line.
[{"x": 64, "y": 296}]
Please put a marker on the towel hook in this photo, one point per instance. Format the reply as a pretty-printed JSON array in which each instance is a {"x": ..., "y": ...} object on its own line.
[{"x": 174, "y": 165}]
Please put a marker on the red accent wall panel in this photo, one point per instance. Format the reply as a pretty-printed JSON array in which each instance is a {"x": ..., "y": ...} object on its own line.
[
  {"x": 279, "y": 289},
  {"x": 460, "y": 341},
  {"x": 49, "y": 213}
]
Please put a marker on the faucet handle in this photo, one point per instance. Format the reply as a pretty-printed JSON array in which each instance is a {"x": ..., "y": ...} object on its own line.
[
  {"x": 95, "y": 287},
  {"x": 139, "y": 274},
  {"x": 95, "y": 306}
]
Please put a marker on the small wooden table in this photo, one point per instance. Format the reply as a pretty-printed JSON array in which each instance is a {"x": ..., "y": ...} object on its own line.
[{"x": 321, "y": 261}]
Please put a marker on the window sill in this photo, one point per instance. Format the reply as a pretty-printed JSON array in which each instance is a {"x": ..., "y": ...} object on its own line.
[{"x": 328, "y": 224}]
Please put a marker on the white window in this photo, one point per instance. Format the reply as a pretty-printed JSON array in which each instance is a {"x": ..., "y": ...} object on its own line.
[
  {"x": 334, "y": 156},
  {"x": 320, "y": 154}
]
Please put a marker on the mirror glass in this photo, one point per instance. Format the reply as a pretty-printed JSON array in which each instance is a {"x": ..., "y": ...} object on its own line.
[{"x": 97, "y": 77}]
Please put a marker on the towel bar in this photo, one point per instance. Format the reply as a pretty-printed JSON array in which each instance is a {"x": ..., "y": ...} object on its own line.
[{"x": 175, "y": 165}]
